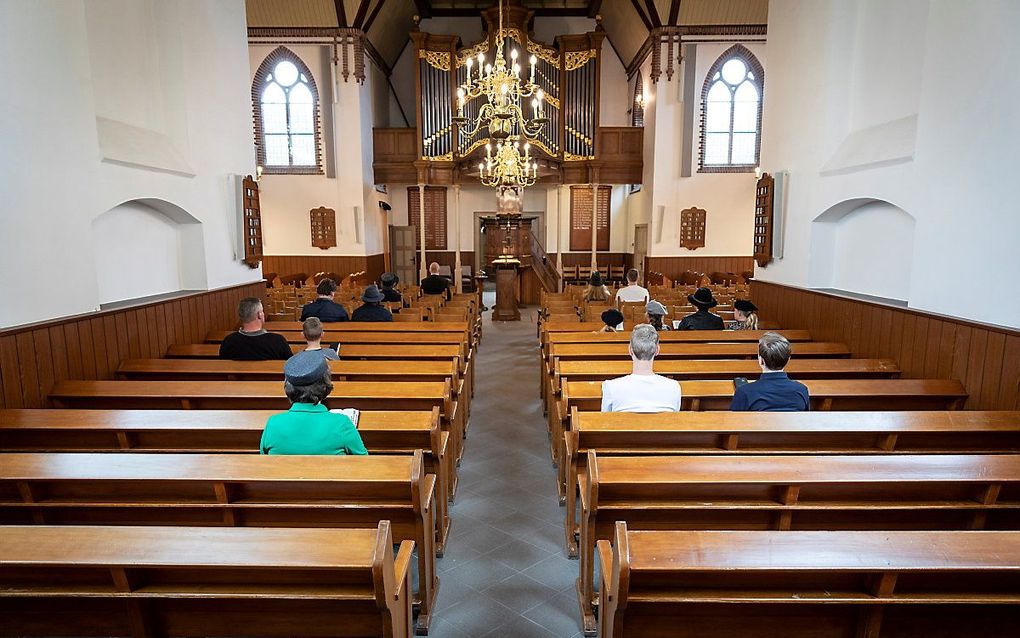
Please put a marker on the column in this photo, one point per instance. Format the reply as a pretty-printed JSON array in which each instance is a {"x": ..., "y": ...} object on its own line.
[
  {"x": 423, "y": 269},
  {"x": 594, "y": 225},
  {"x": 458, "y": 280},
  {"x": 559, "y": 233}
]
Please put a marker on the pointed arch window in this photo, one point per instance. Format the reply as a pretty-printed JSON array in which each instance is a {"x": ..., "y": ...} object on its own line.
[
  {"x": 286, "y": 107},
  {"x": 731, "y": 104}
]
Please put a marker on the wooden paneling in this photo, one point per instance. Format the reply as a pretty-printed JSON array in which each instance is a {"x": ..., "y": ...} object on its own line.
[
  {"x": 448, "y": 257},
  {"x": 604, "y": 259},
  {"x": 435, "y": 215},
  {"x": 620, "y": 149},
  {"x": 672, "y": 267},
  {"x": 395, "y": 151},
  {"x": 586, "y": 210},
  {"x": 373, "y": 265},
  {"x": 34, "y": 357},
  {"x": 985, "y": 358}
]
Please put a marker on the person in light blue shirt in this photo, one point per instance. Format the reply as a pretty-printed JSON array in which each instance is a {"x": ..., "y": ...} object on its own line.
[{"x": 774, "y": 391}]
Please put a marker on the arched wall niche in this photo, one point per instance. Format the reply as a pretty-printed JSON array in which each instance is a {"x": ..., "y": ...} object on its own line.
[
  {"x": 145, "y": 247},
  {"x": 863, "y": 245}
]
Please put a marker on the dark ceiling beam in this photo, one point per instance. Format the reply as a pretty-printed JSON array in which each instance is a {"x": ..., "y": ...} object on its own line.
[
  {"x": 541, "y": 12},
  {"x": 644, "y": 18},
  {"x": 359, "y": 19},
  {"x": 653, "y": 13},
  {"x": 372, "y": 16},
  {"x": 674, "y": 11},
  {"x": 593, "y": 8},
  {"x": 341, "y": 13}
]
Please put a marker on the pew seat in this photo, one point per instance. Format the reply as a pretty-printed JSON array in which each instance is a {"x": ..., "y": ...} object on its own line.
[
  {"x": 229, "y": 490},
  {"x": 173, "y": 581},
  {"x": 811, "y": 584}
]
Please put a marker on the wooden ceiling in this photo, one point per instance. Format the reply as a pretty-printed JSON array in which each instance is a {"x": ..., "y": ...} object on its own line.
[{"x": 386, "y": 22}]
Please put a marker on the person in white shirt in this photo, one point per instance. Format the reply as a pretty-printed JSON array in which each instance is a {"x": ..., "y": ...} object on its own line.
[
  {"x": 632, "y": 291},
  {"x": 642, "y": 390}
]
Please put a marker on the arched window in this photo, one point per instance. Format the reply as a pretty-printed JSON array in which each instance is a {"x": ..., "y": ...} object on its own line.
[
  {"x": 731, "y": 112},
  {"x": 637, "y": 107},
  {"x": 286, "y": 106}
]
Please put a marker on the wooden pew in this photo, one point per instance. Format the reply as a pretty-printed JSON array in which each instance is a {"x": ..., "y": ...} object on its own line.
[
  {"x": 914, "y": 492},
  {"x": 359, "y": 326},
  {"x": 261, "y": 395},
  {"x": 220, "y": 432},
  {"x": 839, "y": 584},
  {"x": 173, "y": 581},
  {"x": 777, "y": 433},
  {"x": 826, "y": 394},
  {"x": 216, "y": 336},
  {"x": 229, "y": 490},
  {"x": 675, "y": 350}
]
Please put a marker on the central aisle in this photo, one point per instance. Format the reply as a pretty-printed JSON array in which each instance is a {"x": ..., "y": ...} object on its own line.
[{"x": 505, "y": 572}]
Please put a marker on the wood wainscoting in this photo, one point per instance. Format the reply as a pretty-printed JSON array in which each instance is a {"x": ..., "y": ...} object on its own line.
[
  {"x": 373, "y": 265},
  {"x": 91, "y": 346},
  {"x": 673, "y": 267},
  {"x": 985, "y": 358}
]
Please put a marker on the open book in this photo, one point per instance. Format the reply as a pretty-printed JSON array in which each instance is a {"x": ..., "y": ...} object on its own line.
[{"x": 350, "y": 413}]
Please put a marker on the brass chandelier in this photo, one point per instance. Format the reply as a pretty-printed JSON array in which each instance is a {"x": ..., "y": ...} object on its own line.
[{"x": 503, "y": 114}]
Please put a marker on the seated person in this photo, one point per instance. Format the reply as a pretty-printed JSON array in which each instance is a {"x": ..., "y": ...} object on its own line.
[
  {"x": 596, "y": 289},
  {"x": 745, "y": 316},
  {"x": 703, "y": 300},
  {"x": 312, "y": 331},
  {"x": 324, "y": 307},
  {"x": 309, "y": 427},
  {"x": 435, "y": 284},
  {"x": 372, "y": 309},
  {"x": 252, "y": 342},
  {"x": 389, "y": 282},
  {"x": 773, "y": 391},
  {"x": 656, "y": 311},
  {"x": 632, "y": 291},
  {"x": 612, "y": 318},
  {"x": 642, "y": 390}
]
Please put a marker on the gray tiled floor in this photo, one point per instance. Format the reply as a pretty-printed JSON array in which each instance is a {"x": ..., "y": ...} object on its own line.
[{"x": 505, "y": 572}]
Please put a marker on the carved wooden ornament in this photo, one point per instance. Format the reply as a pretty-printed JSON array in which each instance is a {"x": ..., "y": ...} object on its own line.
[
  {"x": 252, "y": 222},
  {"x": 692, "y": 228},
  {"x": 763, "y": 220}
]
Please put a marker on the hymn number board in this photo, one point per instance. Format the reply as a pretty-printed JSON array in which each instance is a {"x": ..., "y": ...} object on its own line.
[
  {"x": 763, "y": 219},
  {"x": 692, "y": 228},
  {"x": 252, "y": 216},
  {"x": 323, "y": 222},
  {"x": 435, "y": 215},
  {"x": 581, "y": 209}
]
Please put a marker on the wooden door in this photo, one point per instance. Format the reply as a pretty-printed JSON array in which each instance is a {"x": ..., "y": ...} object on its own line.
[
  {"x": 640, "y": 249},
  {"x": 403, "y": 250}
]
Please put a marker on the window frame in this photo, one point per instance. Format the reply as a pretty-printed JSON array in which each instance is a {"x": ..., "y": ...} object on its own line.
[
  {"x": 742, "y": 53},
  {"x": 258, "y": 85}
]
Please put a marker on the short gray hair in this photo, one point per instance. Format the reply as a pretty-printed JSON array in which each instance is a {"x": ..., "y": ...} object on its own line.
[
  {"x": 248, "y": 309},
  {"x": 644, "y": 342}
]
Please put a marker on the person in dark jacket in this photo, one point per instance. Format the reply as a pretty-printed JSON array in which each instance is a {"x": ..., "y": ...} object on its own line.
[
  {"x": 327, "y": 310},
  {"x": 703, "y": 300},
  {"x": 372, "y": 309},
  {"x": 435, "y": 284},
  {"x": 389, "y": 283},
  {"x": 252, "y": 342},
  {"x": 774, "y": 391}
]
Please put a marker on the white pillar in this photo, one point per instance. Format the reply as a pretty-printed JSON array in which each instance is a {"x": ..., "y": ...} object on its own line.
[
  {"x": 559, "y": 231},
  {"x": 423, "y": 268},
  {"x": 594, "y": 224},
  {"x": 457, "y": 278}
]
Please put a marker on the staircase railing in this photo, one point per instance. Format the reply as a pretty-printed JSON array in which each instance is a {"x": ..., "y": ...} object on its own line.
[{"x": 543, "y": 265}]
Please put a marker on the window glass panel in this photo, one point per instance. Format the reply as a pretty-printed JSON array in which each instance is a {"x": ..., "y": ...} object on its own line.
[
  {"x": 734, "y": 71},
  {"x": 745, "y": 108},
  {"x": 303, "y": 147},
  {"x": 717, "y": 109},
  {"x": 743, "y": 148},
  {"x": 300, "y": 95},
  {"x": 717, "y": 146},
  {"x": 301, "y": 120},
  {"x": 273, "y": 93},
  {"x": 277, "y": 153},
  {"x": 286, "y": 73},
  {"x": 274, "y": 118}
]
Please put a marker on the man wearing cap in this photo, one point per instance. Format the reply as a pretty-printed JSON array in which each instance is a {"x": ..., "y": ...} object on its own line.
[
  {"x": 372, "y": 309},
  {"x": 389, "y": 282},
  {"x": 324, "y": 307},
  {"x": 656, "y": 311},
  {"x": 309, "y": 427},
  {"x": 703, "y": 300},
  {"x": 612, "y": 318}
]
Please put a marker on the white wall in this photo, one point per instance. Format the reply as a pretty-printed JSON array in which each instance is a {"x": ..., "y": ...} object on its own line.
[
  {"x": 955, "y": 177},
  {"x": 151, "y": 105}
]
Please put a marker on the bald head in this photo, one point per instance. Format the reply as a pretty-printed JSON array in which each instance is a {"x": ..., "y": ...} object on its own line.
[{"x": 434, "y": 268}]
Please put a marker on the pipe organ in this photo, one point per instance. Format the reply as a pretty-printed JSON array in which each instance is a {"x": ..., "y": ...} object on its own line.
[{"x": 568, "y": 73}]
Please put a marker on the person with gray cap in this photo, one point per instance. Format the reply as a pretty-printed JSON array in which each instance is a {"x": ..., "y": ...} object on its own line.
[
  {"x": 372, "y": 308},
  {"x": 642, "y": 390},
  {"x": 656, "y": 311},
  {"x": 309, "y": 427}
]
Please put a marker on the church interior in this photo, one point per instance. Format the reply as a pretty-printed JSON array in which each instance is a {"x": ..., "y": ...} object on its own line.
[{"x": 510, "y": 318}]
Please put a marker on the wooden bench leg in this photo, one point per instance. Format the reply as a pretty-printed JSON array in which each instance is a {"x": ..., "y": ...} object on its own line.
[
  {"x": 427, "y": 579},
  {"x": 586, "y": 575}
]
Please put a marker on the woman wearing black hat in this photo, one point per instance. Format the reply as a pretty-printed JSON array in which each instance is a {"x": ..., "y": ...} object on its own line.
[
  {"x": 612, "y": 318},
  {"x": 703, "y": 300},
  {"x": 745, "y": 316},
  {"x": 596, "y": 290}
]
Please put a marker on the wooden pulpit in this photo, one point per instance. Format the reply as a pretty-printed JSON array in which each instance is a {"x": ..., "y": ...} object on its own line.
[
  {"x": 507, "y": 250},
  {"x": 506, "y": 289}
]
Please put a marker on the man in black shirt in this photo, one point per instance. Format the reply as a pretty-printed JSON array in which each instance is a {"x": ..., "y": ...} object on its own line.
[
  {"x": 252, "y": 342},
  {"x": 703, "y": 300},
  {"x": 372, "y": 310},
  {"x": 435, "y": 284},
  {"x": 389, "y": 282},
  {"x": 324, "y": 307}
]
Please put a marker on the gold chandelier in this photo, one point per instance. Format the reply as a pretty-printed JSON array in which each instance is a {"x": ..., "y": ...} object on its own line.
[{"x": 504, "y": 115}]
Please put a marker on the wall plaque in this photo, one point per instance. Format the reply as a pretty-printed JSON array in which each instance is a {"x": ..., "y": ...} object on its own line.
[
  {"x": 581, "y": 209},
  {"x": 252, "y": 222},
  {"x": 323, "y": 222},
  {"x": 435, "y": 215},
  {"x": 763, "y": 219},
  {"x": 692, "y": 228}
]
